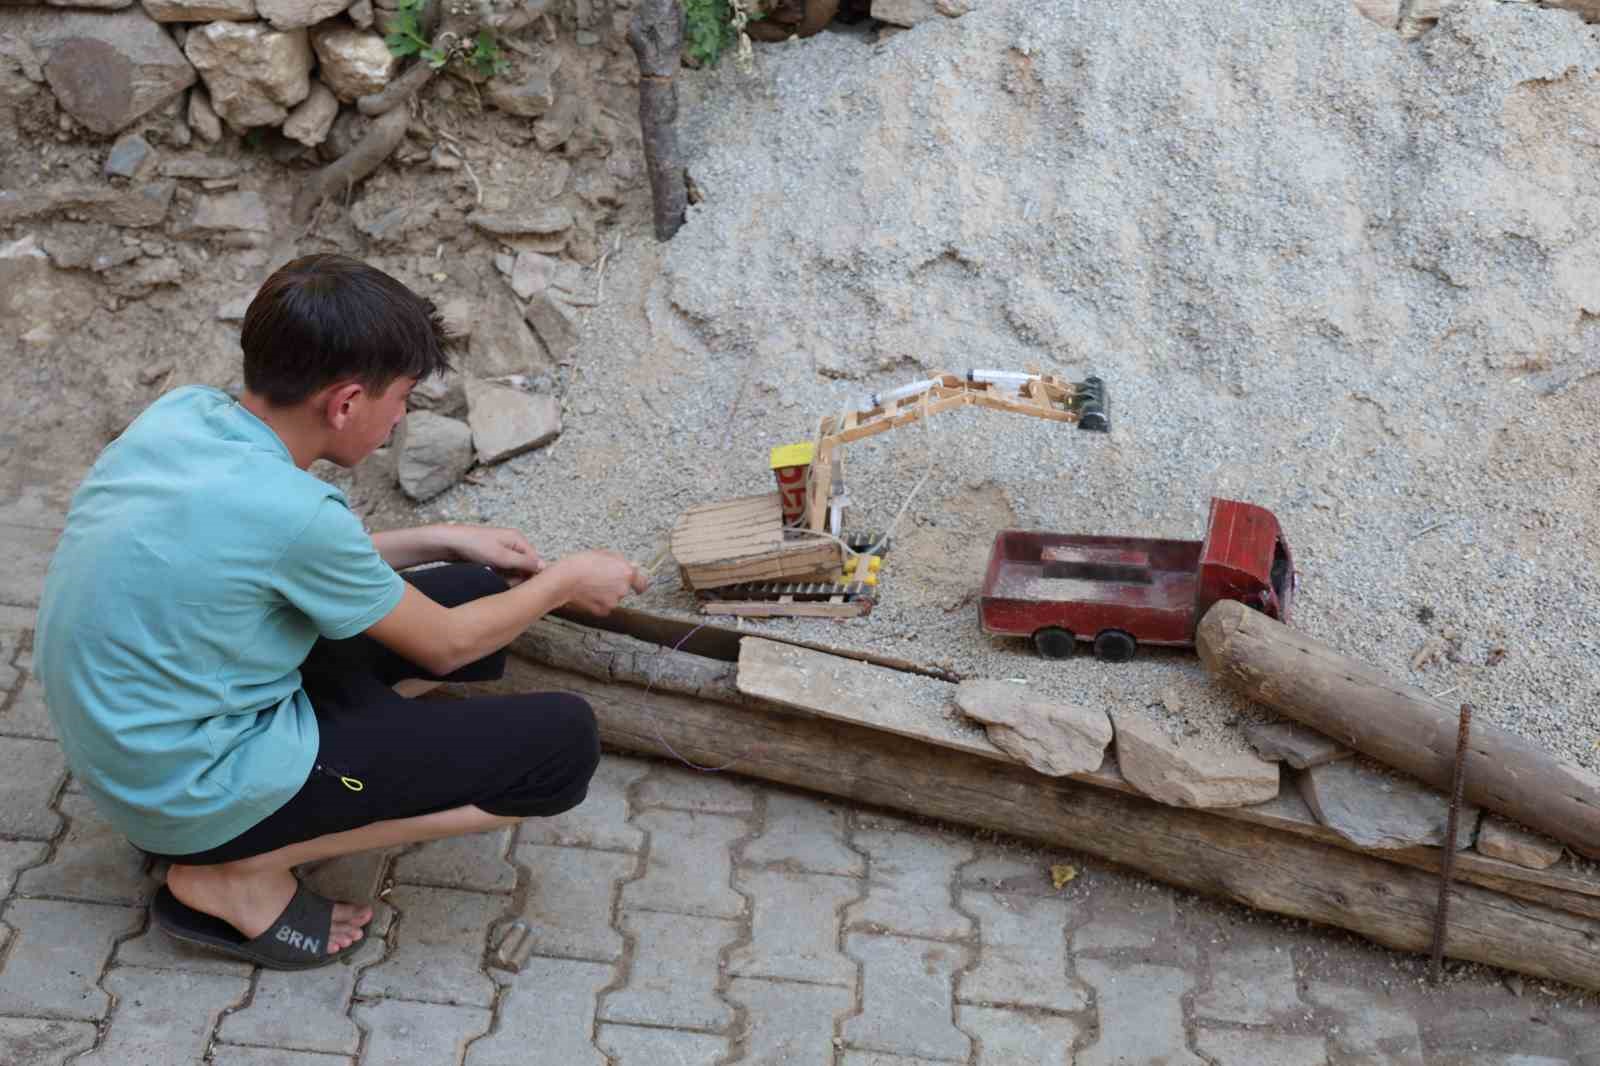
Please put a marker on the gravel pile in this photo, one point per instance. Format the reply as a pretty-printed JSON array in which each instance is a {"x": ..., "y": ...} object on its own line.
[{"x": 1350, "y": 277}]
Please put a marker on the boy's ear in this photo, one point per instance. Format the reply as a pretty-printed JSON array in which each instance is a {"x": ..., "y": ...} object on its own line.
[{"x": 339, "y": 403}]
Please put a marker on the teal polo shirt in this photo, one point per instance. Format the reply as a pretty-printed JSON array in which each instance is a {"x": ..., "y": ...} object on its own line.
[{"x": 197, "y": 568}]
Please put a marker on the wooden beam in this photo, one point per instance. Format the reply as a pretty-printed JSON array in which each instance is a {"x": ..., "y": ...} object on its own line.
[
  {"x": 1397, "y": 724},
  {"x": 1197, "y": 850},
  {"x": 610, "y": 656}
]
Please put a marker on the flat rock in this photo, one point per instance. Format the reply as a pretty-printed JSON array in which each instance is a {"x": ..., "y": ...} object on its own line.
[
  {"x": 141, "y": 205},
  {"x": 198, "y": 167},
  {"x": 253, "y": 74},
  {"x": 296, "y": 14},
  {"x": 1294, "y": 744},
  {"x": 200, "y": 10},
  {"x": 507, "y": 422},
  {"x": 1373, "y": 808},
  {"x": 354, "y": 62},
  {"x": 312, "y": 117},
  {"x": 435, "y": 452},
  {"x": 501, "y": 343},
  {"x": 532, "y": 272},
  {"x": 383, "y": 223},
  {"x": 107, "y": 69},
  {"x": 1052, "y": 737},
  {"x": 243, "y": 215},
  {"x": 1188, "y": 771},
  {"x": 544, "y": 222},
  {"x": 556, "y": 322},
  {"x": 1501, "y": 838}
]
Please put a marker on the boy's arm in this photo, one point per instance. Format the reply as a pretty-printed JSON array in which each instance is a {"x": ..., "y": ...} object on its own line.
[
  {"x": 504, "y": 549},
  {"x": 444, "y": 639}
]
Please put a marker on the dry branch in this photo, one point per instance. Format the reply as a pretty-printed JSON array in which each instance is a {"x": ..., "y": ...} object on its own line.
[
  {"x": 338, "y": 177},
  {"x": 656, "y": 36}
]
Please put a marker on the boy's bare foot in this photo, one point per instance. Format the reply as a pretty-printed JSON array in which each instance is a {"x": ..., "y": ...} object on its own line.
[{"x": 252, "y": 901}]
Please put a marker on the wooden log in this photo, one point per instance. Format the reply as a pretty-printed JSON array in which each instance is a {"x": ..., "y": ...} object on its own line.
[
  {"x": 656, "y": 36},
  {"x": 1398, "y": 724},
  {"x": 608, "y": 656},
  {"x": 1196, "y": 850}
]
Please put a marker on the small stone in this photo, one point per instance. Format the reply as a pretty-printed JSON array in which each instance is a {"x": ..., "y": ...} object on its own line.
[
  {"x": 1053, "y": 738},
  {"x": 530, "y": 97},
  {"x": 587, "y": 38},
  {"x": 556, "y": 323},
  {"x": 532, "y": 273},
  {"x": 361, "y": 13},
  {"x": 457, "y": 314},
  {"x": 297, "y": 14},
  {"x": 200, "y": 10},
  {"x": 1374, "y": 808},
  {"x": 355, "y": 63},
  {"x": 557, "y": 127},
  {"x": 542, "y": 222},
  {"x": 507, "y": 422},
  {"x": 441, "y": 159},
  {"x": 443, "y": 394},
  {"x": 312, "y": 117},
  {"x": 1385, "y": 13},
  {"x": 371, "y": 217},
  {"x": 179, "y": 135},
  {"x": 202, "y": 119},
  {"x": 253, "y": 75},
  {"x": 1294, "y": 744},
  {"x": 505, "y": 263},
  {"x": 1501, "y": 838},
  {"x": 1513, "y": 983},
  {"x": 198, "y": 167},
  {"x": 129, "y": 157},
  {"x": 435, "y": 452},
  {"x": 1190, "y": 772}
]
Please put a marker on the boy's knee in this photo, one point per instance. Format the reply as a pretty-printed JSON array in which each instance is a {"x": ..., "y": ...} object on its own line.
[{"x": 579, "y": 728}]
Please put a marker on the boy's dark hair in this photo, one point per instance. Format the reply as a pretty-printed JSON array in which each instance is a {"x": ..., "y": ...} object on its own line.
[{"x": 326, "y": 318}]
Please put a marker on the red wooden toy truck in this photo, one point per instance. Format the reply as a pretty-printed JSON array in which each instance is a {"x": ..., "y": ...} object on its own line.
[{"x": 1120, "y": 592}]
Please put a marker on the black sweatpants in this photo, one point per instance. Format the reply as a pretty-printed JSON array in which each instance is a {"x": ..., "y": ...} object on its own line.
[{"x": 382, "y": 756}]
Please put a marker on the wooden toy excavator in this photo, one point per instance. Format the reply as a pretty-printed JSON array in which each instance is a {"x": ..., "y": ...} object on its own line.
[{"x": 786, "y": 552}]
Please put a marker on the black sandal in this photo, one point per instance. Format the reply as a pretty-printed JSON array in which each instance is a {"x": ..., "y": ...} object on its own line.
[{"x": 296, "y": 941}]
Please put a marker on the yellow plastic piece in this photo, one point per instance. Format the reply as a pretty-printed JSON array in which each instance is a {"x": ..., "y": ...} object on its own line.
[
  {"x": 876, "y": 564},
  {"x": 870, "y": 579},
  {"x": 851, "y": 563},
  {"x": 792, "y": 455}
]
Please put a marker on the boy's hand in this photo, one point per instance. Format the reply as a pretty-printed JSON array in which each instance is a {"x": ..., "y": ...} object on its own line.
[
  {"x": 506, "y": 550},
  {"x": 596, "y": 581}
]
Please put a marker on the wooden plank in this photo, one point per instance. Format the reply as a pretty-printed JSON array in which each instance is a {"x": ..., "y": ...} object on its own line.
[
  {"x": 847, "y": 690},
  {"x": 1398, "y": 724},
  {"x": 1252, "y": 865}
]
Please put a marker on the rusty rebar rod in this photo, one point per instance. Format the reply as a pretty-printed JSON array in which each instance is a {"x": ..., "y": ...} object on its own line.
[{"x": 1441, "y": 914}]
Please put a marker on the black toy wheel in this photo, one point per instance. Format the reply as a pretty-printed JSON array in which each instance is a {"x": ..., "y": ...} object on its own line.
[
  {"x": 1054, "y": 642},
  {"x": 1114, "y": 646}
]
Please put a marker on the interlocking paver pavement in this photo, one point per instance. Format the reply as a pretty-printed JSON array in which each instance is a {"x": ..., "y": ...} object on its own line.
[
  {"x": 30, "y": 773},
  {"x": 674, "y": 973},
  {"x": 546, "y": 1016},
  {"x": 787, "y": 1022},
  {"x": 163, "y": 1016},
  {"x": 686, "y": 919},
  {"x": 55, "y": 955},
  {"x": 42, "y": 1042},
  {"x": 437, "y": 948},
  {"x": 568, "y": 912},
  {"x": 477, "y": 862}
]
